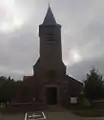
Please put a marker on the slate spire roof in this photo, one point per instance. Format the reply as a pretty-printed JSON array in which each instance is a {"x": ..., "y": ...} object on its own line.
[{"x": 49, "y": 18}]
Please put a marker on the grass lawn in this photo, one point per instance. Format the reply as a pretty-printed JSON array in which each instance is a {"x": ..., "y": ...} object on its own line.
[{"x": 89, "y": 112}]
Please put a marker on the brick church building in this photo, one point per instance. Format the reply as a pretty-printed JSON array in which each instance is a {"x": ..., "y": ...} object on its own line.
[{"x": 49, "y": 84}]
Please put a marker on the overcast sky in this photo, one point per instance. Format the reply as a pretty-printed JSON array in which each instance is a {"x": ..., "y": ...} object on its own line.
[{"x": 82, "y": 35}]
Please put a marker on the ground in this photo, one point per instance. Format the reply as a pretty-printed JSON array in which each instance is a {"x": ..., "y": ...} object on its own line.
[
  {"x": 52, "y": 113},
  {"x": 89, "y": 112},
  {"x": 49, "y": 115}
]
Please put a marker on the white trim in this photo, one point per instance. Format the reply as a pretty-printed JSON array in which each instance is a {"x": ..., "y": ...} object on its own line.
[
  {"x": 44, "y": 115},
  {"x": 25, "y": 116}
]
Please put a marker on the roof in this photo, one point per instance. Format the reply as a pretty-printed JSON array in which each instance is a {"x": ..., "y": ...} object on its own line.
[
  {"x": 37, "y": 63},
  {"x": 74, "y": 80},
  {"x": 49, "y": 18}
]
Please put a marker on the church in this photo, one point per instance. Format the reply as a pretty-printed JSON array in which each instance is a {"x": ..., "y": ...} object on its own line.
[{"x": 50, "y": 84}]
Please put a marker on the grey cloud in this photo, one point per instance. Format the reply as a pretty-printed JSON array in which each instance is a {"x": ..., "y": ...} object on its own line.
[
  {"x": 80, "y": 70},
  {"x": 82, "y": 29}
]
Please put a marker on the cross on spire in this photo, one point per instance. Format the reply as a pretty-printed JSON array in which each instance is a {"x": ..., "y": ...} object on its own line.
[{"x": 48, "y": 3}]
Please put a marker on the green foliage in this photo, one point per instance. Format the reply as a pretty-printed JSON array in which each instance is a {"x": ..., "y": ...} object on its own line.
[
  {"x": 8, "y": 88},
  {"x": 86, "y": 103},
  {"x": 94, "y": 87}
]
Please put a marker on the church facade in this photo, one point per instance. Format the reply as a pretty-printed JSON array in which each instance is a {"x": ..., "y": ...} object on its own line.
[{"x": 49, "y": 83}]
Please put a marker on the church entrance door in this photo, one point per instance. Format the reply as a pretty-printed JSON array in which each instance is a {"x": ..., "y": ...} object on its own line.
[{"x": 51, "y": 95}]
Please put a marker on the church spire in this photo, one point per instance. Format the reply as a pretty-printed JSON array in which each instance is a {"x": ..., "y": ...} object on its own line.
[{"x": 49, "y": 18}]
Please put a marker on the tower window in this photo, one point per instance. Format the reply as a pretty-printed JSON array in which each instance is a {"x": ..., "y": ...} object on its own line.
[{"x": 49, "y": 37}]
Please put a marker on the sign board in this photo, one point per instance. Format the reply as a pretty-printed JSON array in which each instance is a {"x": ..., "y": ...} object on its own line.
[
  {"x": 73, "y": 100},
  {"x": 35, "y": 116}
]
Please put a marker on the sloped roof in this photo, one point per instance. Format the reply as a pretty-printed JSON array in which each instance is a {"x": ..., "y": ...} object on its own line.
[
  {"x": 37, "y": 63},
  {"x": 49, "y": 18},
  {"x": 72, "y": 79}
]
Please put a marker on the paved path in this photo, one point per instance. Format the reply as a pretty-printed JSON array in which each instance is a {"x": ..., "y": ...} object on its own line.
[
  {"x": 49, "y": 116},
  {"x": 93, "y": 118},
  {"x": 12, "y": 117},
  {"x": 52, "y": 113},
  {"x": 61, "y": 116}
]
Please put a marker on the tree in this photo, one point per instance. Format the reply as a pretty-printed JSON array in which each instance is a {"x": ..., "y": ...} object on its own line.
[
  {"x": 93, "y": 86},
  {"x": 8, "y": 88}
]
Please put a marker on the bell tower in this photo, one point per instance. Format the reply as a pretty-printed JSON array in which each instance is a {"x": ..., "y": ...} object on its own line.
[{"x": 50, "y": 43}]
